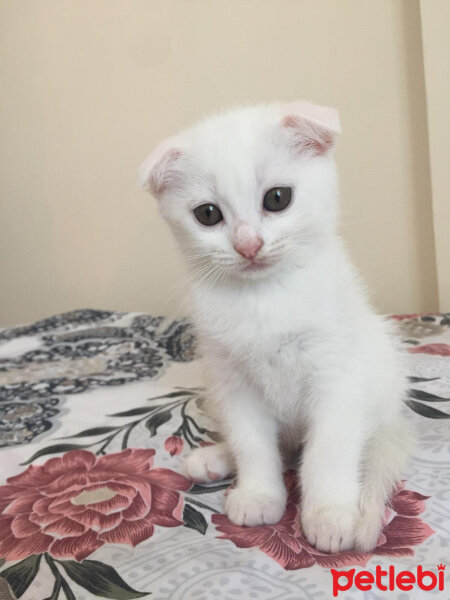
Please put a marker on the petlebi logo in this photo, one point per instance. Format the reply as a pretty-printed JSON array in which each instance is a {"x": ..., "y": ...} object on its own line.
[{"x": 388, "y": 580}]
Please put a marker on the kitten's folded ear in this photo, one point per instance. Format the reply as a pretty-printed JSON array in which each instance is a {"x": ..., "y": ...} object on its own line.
[
  {"x": 164, "y": 168},
  {"x": 309, "y": 127}
]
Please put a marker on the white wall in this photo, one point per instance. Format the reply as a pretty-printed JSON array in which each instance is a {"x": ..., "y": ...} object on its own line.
[{"x": 89, "y": 87}]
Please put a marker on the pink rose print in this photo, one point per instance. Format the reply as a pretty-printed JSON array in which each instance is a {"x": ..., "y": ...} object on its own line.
[
  {"x": 406, "y": 316},
  {"x": 285, "y": 543},
  {"x": 437, "y": 349},
  {"x": 72, "y": 505},
  {"x": 174, "y": 445}
]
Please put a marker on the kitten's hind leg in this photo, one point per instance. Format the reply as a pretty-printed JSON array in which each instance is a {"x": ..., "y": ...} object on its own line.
[
  {"x": 210, "y": 463},
  {"x": 384, "y": 459}
]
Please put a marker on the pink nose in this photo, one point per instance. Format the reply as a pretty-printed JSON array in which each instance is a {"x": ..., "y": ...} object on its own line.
[{"x": 249, "y": 248}]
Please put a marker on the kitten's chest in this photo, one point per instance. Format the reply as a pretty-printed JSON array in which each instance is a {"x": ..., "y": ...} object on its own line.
[{"x": 271, "y": 345}]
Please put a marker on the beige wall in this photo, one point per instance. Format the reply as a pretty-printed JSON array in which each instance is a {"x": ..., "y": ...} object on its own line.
[
  {"x": 436, "y": 46},
  {"x": 89, "y": 86}
]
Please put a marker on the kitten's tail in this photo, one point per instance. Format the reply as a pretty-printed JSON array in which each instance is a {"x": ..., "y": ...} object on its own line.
[{"x": 385, "y": 458}]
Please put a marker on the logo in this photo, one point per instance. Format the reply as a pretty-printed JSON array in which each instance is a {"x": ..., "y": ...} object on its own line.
[{"x": 388, "y": 580}]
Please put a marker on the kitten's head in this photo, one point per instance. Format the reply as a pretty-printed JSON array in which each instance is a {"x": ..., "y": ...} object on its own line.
[{"x": 251, "y": 190}]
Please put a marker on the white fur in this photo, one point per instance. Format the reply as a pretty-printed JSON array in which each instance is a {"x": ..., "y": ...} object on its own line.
[{"x": 293, "y": 353}]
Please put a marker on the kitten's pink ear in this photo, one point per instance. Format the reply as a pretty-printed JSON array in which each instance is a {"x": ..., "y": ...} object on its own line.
[
  {"x": 163, "y": 169},
  {"x": 310, "y": 127}
]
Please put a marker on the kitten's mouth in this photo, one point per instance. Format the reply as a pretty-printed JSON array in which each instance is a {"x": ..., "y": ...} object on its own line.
[{"x": 255, "y": 266}]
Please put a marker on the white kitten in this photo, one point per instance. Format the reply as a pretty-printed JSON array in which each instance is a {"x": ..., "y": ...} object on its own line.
[{"x": 293, "y": 353}]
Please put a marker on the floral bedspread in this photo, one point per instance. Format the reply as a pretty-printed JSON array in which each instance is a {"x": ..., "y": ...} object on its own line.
[{"x": 98, "y": 410}]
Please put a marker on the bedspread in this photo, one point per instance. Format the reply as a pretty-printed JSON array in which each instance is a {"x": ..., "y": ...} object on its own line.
[{"x": 98, "y": 410}]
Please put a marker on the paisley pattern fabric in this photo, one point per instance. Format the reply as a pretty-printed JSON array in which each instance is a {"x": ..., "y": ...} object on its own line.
[
  {"x": 75, "y": 352},
  {"x": 97, "y": 411}
]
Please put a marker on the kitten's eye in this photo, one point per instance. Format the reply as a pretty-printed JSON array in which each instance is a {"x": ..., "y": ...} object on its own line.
[
  {"x": 208, "y": 214},
  {"x": 277, "y": 198}
]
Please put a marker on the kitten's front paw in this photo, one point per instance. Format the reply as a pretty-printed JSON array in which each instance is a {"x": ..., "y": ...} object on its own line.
[
  {"x": 209, "y": 463},
  {"x": 250, "y": 508},
  {"x": 368, "y": 528},
  {"x": 330, "y": 528}
]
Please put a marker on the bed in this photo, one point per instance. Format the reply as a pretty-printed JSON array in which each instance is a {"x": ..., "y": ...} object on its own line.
[{"x": 98, "y": 410}]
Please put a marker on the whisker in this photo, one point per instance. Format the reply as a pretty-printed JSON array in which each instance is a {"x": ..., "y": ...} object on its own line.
[
  {"x": 206, "y": 275},
  {"x": 217, "y": 276},
  {"x": 187, "y": 279}
]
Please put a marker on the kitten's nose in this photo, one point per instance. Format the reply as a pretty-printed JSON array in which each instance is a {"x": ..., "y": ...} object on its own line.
[{"x": 247, "y": 242}]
